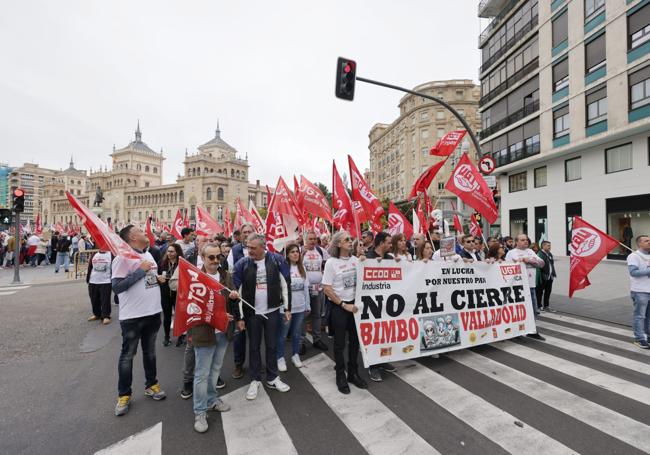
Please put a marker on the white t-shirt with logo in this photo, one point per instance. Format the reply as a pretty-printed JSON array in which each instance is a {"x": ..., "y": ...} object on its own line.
[
  {"x": 313, "y": 263},
  {"x": 642, "y": 261},
  {"x": 516, "y": 254},
  {"x": 341, "y": 274},
  {"x": 299, "y": 291},
  {"x": 101, "y": 272},
  {"x": 143, "y": 298},
  {"x": 261, "y": 289}
]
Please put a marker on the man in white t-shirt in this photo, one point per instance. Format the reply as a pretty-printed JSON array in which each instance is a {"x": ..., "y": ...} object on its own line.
[
  {"x": 522, "y": 254},
  {"x": 313, "y": 260},
  {"x": 32, "y": 244},
  {"x": 135, "y": 281},
  {"x": 638, "y": 264}
]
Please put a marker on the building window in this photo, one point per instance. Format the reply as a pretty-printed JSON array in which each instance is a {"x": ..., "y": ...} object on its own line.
[
  {"x": 561, "y": 75},
  {"x": 424, "y": 115},
  {"x": 155, "y": 170},
  {"x": 639, "y": 83},
  {"x": 561, "y": 122},
  {"x": 595, "y": 54},
  {"x": 560, "y": 29},
  {"x": 146, "y": 168},
  {"x": 618, "y": 158},
  {"x": 517, "y": 182},
  {"x": 440, "y": 115},
  {"x": 181, "y": 196},
  {"x": 139, "y": 167},
  {"x": 220, "y": 194},
  {"x": 596, "y": 100},
  {"x": 169, "y": 214},
  {"x": 638, "y": 27},
  {"x": 424, "y": 134},
  {"x": 572, "y": 170},
  {"x": 441, "y": 186},
  {"x": 208, "y": 194},
  {"x": 593, "y": 7},
  {"x": 440, "y": 133},
  {"x": 540, "y": 177},
  {"x": 460, "y": 94}
]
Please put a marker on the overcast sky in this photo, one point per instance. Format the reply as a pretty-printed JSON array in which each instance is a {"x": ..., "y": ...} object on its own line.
[{"x": 77, "y": 75}]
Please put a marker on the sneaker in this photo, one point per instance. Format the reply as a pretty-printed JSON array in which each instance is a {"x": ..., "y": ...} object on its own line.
[
  {"x": 187, "y": 390},
  {"x": 251, "y": 393},
  {"x": 201, "y": 423},
  {"x": 550, "y": 310},
  {"x": 106, "y": 321},
  {"x": 536, "y": 336},
  {"x": 93, "y": 318},
  {"x": 388, "y": 367},
  {"x": 220, "y": 383},
  {"x": 238, "y": 373},
  {"x": 375, "y": 374},
  {"x": 166, "y": 341},
  {"x": 122, "y": 406},
  {"x": 643, "y": 344},
  {"x": 282, "y": 364},
  {"x": 295, "y": 359},
  {"x": 320, "y": 345},
  {"x": 278, "y": 385},
  {"x": 155, "y": 392},
  {"x": 219, "y": 406}
]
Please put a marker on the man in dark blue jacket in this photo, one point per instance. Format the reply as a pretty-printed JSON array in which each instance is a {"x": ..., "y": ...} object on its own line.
[{"x": 263, "y": 280}]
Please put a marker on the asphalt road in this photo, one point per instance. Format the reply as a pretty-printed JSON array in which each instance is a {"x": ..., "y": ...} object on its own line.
[{"x": 586, "y": 390}]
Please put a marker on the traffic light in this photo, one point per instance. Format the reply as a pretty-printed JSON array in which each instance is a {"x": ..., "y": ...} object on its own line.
[
  {"x": 5, "y": 217},
  {"x": 346, "y": 73},
  {"x": 19, "y": 200}
]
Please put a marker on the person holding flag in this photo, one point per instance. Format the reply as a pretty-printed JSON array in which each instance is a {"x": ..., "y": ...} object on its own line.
[
  {"x": 135, "y": 282},
  {"x": 638, "y": 264}
]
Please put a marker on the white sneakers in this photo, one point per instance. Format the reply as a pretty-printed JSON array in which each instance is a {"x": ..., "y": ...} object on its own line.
[
  {"x": 295, "y": 359},
  {"x": 278, "y": 385},
  {"x": 200, "y": 423},
  {"x": 282, "y": 364},
  {"x": 251, "y": 393}
]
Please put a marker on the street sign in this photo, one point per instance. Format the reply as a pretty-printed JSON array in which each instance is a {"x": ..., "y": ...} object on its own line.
[
  {"x": 487, "y": 164},
  {"x": 491, "y": 180}
]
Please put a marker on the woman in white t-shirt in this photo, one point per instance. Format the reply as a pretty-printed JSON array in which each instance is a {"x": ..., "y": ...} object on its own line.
[
  {"x": 400, "y": 247},
  {"x": 340, "y": 285},
  {"x": 99, "y": 286},
  {"x": 299, "y": 305}
]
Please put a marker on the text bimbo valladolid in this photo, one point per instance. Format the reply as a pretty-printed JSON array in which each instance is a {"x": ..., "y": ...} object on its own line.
[{"x": 415, "y": 309}]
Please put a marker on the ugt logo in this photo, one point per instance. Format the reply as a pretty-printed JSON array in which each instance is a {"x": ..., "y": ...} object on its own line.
[
  {"x": 464, "y": 179},
  {"x": 584, "y": 242}
]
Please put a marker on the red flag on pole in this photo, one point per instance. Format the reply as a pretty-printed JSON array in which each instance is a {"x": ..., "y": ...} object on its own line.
[
  {"x": 243, "y": 215},
  {"x": 474, "y": 227},
  {"x": 345, "y": 216},
  {"x": 104, "y": 238},
  {"x": 258, "y": 222},
  {"x": 283, "y": 218},
  {"x": 178, "y": 225},
  {"x": 424, "y": 181},
  {"x": 38, "y": 229},
  {"x": 227, "y": 223},
  {"x": 268, "y": 196},
  {"x": 467, "y": 183},
  {"x": 361, "y": 192},
  {"x": 149, "y": 232},
  {"x": 311, "y": 200},
  {"x": 198, "y": 300},
  {"x": 457, "y": 224},
  {"x": 186, "y": 221},
  {"x": 588, "y": 247},
  {"x": 398, "y": 223},
  {"x": 448, "y": 143},
  {"x": 422, "y": 219},
  {"x": 205, "y": 224}
]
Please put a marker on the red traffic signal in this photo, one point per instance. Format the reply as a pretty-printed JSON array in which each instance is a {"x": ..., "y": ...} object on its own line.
[
  {"x": 346, "y": 71},
  {"x": 18, "y": 192},
  {"x": 19, "y": 200}
]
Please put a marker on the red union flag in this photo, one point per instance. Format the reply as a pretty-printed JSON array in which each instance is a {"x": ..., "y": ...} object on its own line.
[
  {"x": 38, "y": 229},
  {"x": 205, "y": 224},
  {"x": 258, "y": 222},
  {"x": 361, "y": 192},
  {"x": 474, "y": 227},
  {"x": 345, "y": 216},
  {"x": 178, "y": 225},
  {"x": 243, "y": 215},
  {"x": 283, "y": 218},
  {"x": 149, "y": 233},
  {"x": 588, "y": 247},
  {"x": 448, "y": 143},
  {"x": 311, "y": 200},
  {"x": 467, "y": 183},
  {"x": 227, "y": 223},
  {"x": 105, "y": 239},
  {"x": 199, "y": 300},
  {"x": 424, "y": 181},
  {"x": 398, "y": 223}
]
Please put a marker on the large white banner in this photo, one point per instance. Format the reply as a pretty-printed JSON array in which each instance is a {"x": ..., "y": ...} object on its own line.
[{"x": 415, "y": 309}]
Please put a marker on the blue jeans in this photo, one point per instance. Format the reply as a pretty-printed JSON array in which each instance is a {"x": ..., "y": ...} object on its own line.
[
  {"x": 641, "y": 319},
  {"x": 295, "y": 326},
  {"x": 143, "y": 330},
  {"x": 62, "y": 258},
  {"x": 208, "y": 364}
]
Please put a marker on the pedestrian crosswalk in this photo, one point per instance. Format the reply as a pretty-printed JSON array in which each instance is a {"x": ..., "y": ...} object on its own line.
[
  {"x": 10, "y": 290},
  {"x": 517, "y": 396}
]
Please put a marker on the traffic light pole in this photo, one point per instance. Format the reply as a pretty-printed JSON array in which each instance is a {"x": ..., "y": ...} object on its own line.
[
  {"x": 17, "y": 250},
  {"x": 462, "y": 120}
]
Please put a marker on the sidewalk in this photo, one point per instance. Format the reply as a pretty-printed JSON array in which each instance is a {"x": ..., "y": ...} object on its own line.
[{"x": 35, "y": 275}]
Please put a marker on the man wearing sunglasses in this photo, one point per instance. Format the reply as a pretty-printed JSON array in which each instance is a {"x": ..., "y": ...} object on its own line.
[{"x": 468, "y": 253}]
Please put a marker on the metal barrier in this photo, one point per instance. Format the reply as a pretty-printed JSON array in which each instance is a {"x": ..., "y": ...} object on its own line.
[{"x": 81, "y": 261}]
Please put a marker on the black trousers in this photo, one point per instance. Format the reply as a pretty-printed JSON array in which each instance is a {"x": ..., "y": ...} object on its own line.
[
  {"x": 343, "y": 323},
  {"x": 255, "y": 325},
  {"x": 168, "y": 303},
  {"x": 543, "y": 291},
  {"x": 100, "y": 299}
]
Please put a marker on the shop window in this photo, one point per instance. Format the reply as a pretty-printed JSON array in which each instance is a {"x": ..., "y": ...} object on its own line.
[{"x": 618, "y": 158}]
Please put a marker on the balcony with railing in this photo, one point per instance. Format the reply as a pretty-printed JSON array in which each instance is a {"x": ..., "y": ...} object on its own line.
[
  {"x": 528, "y": 109},
  {"x": 511, "y": 81},
  {"x": 498, "y": 18},
  {"x": 526, "y": 151},
  {"x": 509, "y": 44},
  {"x": 490, "y": 8}
]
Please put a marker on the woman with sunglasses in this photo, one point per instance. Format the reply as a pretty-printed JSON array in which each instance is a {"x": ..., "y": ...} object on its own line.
[
  {"x": 340, "y": 285},
  {"x": 299, "y": 300},
  {"x": 167, "y": 267}
]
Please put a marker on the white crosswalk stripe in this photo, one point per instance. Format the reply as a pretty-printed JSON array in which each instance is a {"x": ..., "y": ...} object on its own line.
[
  {"x": 590, "y": 324},
  {"x": 10, "y": 290},
  {"x": 627, "y": 346}
]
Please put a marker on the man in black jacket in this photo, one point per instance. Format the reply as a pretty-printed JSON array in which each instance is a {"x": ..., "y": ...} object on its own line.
[
  {"x": 263, "y": 280},
  {"x": 468, "y": 253},
  {"x": 63, "y": 253},
  {"x": 547, "y": 275}
]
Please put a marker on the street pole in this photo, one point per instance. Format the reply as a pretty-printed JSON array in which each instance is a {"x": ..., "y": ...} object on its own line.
[{"x": 17, "y": 251}]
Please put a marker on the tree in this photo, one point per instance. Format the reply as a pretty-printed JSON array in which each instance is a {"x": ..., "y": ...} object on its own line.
[{"x": 325, "y": 191}]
